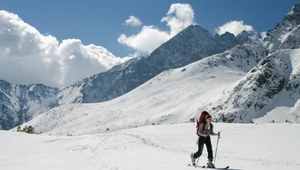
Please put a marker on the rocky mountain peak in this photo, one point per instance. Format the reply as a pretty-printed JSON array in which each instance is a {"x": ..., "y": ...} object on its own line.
[
  {"x": 285, "y": 35},
  {"x": 294, "y": 15},
  {"x": 195, "y": 29},
  {"x": 225, "y": 36}
]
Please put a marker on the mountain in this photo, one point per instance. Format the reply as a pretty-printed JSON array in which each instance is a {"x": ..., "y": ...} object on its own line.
[
  {"x": 19, "y": 103},
  {"x": 271, "y": 85},
  {"x": 285, "y": 35},
  {"x": 190, "y": 45},
  {"x": 173, "y": 96},
  {"x": 273, "y": 82}
]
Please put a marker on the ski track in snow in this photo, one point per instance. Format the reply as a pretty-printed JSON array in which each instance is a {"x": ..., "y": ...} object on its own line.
[{"x": 166, "y": 147}]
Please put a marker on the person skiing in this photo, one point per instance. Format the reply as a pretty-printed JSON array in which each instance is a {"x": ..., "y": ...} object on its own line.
[{"x": 204, "y": 131}]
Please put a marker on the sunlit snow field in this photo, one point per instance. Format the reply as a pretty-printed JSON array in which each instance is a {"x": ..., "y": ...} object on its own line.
[{"x": 164, "y": 147}]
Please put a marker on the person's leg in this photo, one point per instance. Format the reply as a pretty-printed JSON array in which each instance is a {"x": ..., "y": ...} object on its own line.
[
  {"x": 210, "y": 153},
  {"x": 209, "y": 149},
  {"x": 200, "y": 147}
]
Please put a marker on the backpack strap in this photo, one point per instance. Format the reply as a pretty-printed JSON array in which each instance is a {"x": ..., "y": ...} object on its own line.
[{"x": 202, "y": 127}]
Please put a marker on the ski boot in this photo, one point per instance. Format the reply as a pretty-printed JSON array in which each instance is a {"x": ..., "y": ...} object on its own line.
[
  {"x": 210, "y": 164},
  {"x": 193, "y": 159}
]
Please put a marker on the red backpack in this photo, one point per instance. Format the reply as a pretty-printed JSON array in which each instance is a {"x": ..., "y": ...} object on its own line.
[{"x": 201, "y": 120}]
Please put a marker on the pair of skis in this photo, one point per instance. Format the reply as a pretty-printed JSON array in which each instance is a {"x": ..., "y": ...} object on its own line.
[{"x": 227, "y": 167}]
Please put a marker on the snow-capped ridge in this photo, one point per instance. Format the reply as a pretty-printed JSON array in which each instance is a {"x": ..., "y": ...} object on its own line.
[
  {"x": 19, "y": 103},
  {"x": 249, "y": 36},
  {"x": 163, "y": 99},
  {"x": 270, "y": 84},
  {"x": 190, "y": 45},
  {"x": 285, "y": 35},
  {"x": 293, "y": 16}
]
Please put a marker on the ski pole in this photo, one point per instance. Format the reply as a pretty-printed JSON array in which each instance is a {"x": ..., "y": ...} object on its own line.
[{"x": 216, "y": 149}]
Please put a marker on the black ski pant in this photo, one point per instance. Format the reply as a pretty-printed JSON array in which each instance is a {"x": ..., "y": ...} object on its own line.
[{"x": 207, "y": 142}]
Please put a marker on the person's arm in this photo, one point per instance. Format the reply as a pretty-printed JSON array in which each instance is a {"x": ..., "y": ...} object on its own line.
[
  {"x": 200, "y": 130},
  {"x": 212, "y": 131}
]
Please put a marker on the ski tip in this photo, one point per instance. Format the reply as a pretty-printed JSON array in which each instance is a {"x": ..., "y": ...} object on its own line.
[{"x": 226, "y": 167}]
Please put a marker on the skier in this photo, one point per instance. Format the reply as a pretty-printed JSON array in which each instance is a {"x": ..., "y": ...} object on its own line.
[{"x": 205, "y": 130}]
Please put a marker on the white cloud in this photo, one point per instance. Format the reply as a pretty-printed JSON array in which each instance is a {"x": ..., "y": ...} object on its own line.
[
  {"x": 234, "y": 27},
  {"x": 133, "y": 21},
  {"x": 149, "y": 37},
  {"x": 27, "y": 56},
  {"x": 179, "y": 17},
  {"x": 146, "y": 40}
]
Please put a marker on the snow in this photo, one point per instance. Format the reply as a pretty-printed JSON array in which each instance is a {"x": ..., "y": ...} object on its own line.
[
  {"x": 143, "y": 129},
  {"x": 295, "y": 59},
  {"x": 282, "y": 113},
  {"x": 70, "y": 95},
  {"x": 291, "y": 12},
  {"x": 272, "y": 83},
  {"x": 18, "y": 103},
  {"x": 168, "y": 147},
  {"x": 171, "y": 97},
  {"x": 285, "y": 106},
  {"x": 284, "y": 36}
]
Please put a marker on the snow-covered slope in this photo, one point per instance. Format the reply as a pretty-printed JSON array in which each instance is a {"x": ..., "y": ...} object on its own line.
[
  {"x": 272, "y": 83},
  {"x": 286, "y": 105},
  {"x": 173, "y": 96},
  {"x": 164, "y": 147}
]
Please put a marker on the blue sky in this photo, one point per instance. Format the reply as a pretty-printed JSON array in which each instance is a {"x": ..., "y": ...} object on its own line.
[{"x": 100, "y": 22}]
